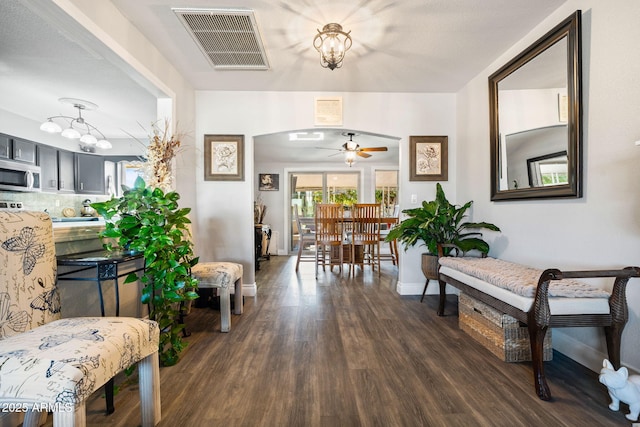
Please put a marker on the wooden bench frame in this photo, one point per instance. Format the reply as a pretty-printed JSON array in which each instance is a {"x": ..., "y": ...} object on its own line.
[{"x": 539, "y": 318}]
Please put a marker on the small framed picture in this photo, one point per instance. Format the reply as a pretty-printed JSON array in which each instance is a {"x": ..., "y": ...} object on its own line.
[
  {"x": 429, "y": 158},
  {"x": 268, "y": 182},
  {"x": 224, "y": 157}
]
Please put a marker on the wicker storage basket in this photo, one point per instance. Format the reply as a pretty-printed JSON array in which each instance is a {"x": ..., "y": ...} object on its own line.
[{"x": 498, "y": 332}]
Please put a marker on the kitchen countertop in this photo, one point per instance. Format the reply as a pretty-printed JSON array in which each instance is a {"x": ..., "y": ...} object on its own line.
[
  {"x": 77, "y": 230},
  {"x": 75, "y": 219},
  {"x": 73, "y": 222}
]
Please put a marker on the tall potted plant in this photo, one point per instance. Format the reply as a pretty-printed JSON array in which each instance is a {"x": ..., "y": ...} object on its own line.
[
  {"x": 147, "y": 219},
  {"x": 440, "y": 226}
]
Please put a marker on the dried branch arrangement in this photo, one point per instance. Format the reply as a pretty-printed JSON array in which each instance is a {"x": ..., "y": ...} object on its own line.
[{"x": 161, "y": 151}]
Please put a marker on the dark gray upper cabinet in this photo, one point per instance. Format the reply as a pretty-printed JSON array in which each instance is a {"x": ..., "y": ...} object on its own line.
[
  {"x": 5, "y": 146},
  {"x": 89, "y": 174},
  {"x": 66, "y": 172},
  {"x": 61, "y": 171},
  {"x": 17, "y": 149},
  {"x": 57, "y": 170},
  {"x": 48, "y": 161},
  {"x": 24, "y": 151}
]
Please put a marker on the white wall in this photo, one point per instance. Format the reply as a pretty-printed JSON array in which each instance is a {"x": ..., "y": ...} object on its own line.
[
  {"x": 225, "y": 209},
  {"x": 602, "y": 229}
]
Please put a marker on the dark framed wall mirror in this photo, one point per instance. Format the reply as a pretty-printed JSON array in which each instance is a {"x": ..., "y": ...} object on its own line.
[{"x": 536, "y": 118}]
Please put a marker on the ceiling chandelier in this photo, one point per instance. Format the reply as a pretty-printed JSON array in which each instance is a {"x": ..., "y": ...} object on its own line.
[
  {"x": 77, "y": 127},
  {"x": 332, "y": 43}
]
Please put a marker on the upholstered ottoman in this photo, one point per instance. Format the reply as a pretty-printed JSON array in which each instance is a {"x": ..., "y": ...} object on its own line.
[
  {"x": 221, "y": 275},
  {"x": 55, "y": 367}
]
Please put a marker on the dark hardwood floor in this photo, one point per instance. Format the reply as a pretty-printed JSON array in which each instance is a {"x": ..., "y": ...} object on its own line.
[{"x": 352, "y": 352}]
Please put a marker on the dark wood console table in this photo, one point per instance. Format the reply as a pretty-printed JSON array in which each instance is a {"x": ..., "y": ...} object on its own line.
[{"x": 262, "y": 232}]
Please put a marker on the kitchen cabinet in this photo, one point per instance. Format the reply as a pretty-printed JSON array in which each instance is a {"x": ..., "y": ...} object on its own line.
[
  {"x": 57, "y": 170},
  {"x": 5, "y": 147},
  {"x": 61, "y": 171},
  {"x": 17, "y": 149},
  {"x": 24, "y": 151},
  {"x": 89, "y": 174},
  {"x": 66, "y": 172},
  {"x": 48, "y": 161}
]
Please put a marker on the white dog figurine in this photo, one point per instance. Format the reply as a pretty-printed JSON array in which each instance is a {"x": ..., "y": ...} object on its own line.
[{"x": 622, "y": 388}]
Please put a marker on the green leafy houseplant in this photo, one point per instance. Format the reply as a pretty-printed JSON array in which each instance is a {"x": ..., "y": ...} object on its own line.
[
  {"x": 439, "y": 225},
  {"x": 148, "y": 220}
]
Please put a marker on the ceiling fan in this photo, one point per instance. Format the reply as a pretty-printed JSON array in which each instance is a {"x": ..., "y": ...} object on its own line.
[{"x": 351, "y": 148}]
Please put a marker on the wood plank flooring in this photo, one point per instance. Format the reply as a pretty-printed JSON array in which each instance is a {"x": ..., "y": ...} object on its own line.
[{"x": 352, "y": 352}]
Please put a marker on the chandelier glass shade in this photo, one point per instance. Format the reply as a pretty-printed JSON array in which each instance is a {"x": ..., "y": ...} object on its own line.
[
  {"x": 332, "y": 43},
  {"x": 77, "y": 127},
  {"x": 350, "y": 158},
  {"x": 51, "y": 127}
]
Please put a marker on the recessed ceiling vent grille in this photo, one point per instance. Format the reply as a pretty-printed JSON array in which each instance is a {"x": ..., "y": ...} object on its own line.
[{"x": 229, "y": 38}]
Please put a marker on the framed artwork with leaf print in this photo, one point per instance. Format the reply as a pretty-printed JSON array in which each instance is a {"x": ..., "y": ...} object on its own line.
[
  {"x": 224, "y": 157},
  {"x": 429, "y": 158}
]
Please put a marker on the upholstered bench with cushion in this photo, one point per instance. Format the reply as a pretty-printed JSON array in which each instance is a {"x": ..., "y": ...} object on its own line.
[
  {"x": 48, "y": 364},
  {"x": 221, "y": 275},
  {"x": 542, "y": 299}
]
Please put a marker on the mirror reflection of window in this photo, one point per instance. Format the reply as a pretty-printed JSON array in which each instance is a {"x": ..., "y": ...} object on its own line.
[
  {"x": 553, "y": 173},
  {"x": 538, "y": 144},
  {"x": 551, "y": 169}
]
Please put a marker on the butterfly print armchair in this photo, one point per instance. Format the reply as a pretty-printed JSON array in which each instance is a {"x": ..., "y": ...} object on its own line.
[
  {"x": 73, "y": 357},
  {"x": 28, "y": 293}
]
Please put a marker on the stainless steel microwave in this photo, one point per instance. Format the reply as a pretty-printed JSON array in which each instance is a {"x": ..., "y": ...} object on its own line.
[{"x": 15, "y": 176}]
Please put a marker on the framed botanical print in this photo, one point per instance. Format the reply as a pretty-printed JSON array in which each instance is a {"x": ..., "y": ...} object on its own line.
[
  {"x": 224, "y": 157},
  {"x": 429, "y": 158}
]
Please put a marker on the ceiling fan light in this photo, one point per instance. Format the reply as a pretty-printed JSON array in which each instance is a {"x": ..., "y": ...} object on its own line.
[
  {"x": 350, "y": 157},
  {"x": 104, "y": 144},
  {"x": 89, "y": 139},
  {"x": 51, "y": 127},
  {"x": 71, "y": 133}
]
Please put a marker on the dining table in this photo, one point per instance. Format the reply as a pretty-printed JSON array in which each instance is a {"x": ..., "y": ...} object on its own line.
[{"x": 308, "y": 223}]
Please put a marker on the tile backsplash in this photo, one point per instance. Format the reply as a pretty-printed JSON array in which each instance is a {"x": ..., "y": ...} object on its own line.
[{"x": 51, "y": 202}]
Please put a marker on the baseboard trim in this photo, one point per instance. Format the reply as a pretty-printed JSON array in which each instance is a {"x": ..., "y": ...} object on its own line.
[
  {"x": 416, "y": 288},
  {"x": 249, "y": 289}
]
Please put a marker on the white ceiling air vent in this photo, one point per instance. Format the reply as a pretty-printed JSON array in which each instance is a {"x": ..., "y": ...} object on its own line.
[{"x": 229, "y": 38}]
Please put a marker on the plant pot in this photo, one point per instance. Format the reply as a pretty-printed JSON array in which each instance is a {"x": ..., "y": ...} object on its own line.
[{"x": 430, "y": 266}]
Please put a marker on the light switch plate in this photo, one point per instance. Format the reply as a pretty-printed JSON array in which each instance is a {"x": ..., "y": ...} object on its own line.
[{"x": 414, "y": 199}]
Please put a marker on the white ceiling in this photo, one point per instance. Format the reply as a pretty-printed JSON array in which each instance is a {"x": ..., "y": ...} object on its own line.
[{"x": 398, "y": 46}]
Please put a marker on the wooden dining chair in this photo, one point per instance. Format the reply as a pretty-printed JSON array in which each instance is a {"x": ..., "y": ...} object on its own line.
[
  {"x": 393, "y": 245},
  {"x": 306, "y": 237},
  {"x": 365, "y": 236},
  {"x": 329, "y": 221}
]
